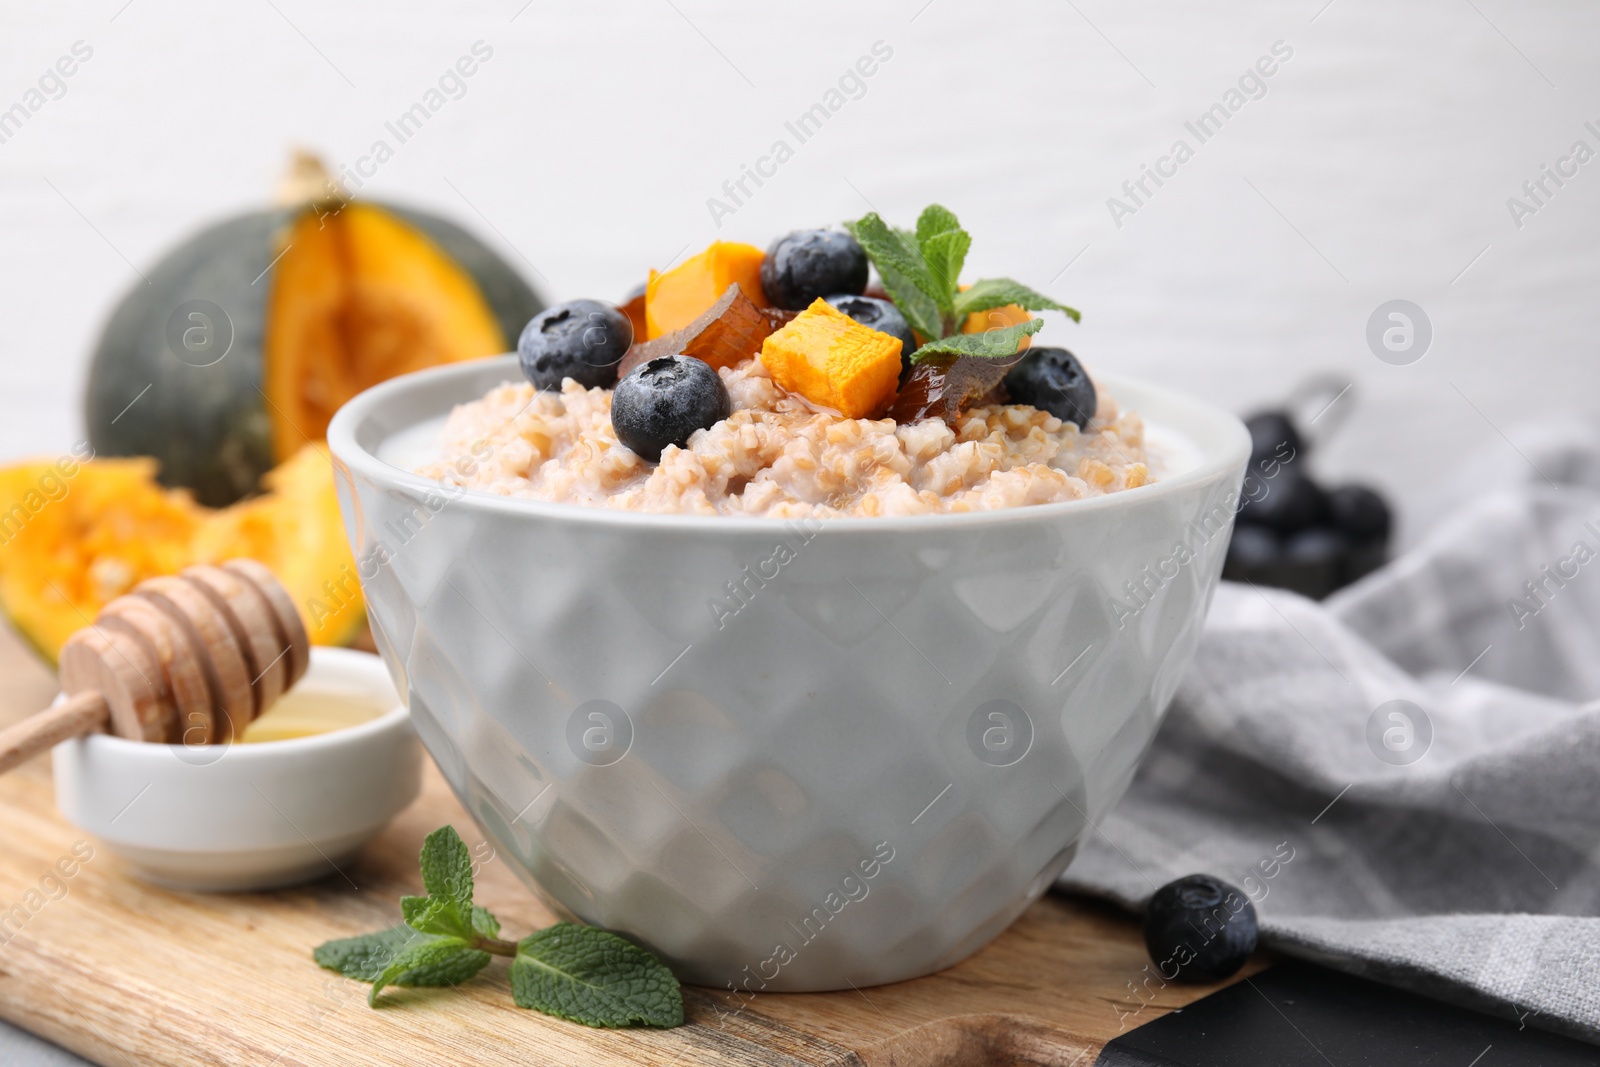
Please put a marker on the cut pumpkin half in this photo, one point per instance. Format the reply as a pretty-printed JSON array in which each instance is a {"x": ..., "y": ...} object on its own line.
[{"x": 360, "y": 297}]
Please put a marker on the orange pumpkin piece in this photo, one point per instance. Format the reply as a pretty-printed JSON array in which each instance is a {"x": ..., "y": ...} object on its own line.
[
  {"x": 675, "y": 299},
  {"x": 996, "y": 318},
  {"x": 833, "y": 360}
]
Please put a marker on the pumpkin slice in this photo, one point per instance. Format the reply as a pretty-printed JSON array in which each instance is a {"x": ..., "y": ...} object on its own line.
[
  {"x": 832, "y": 360},
  {"x": 359, "y": 297},
  {"x": 74, "y": 536},
  {"x": 71, "y": 541},
  {"x": 680, "y": 296}
]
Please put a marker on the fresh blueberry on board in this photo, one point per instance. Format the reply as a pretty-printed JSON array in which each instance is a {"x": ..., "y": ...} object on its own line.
[
  {"x": 665, "y": 400},
  {"x": 582, "y": 339},
  {"x": 1200, "y": 927},
  {"x": 880, "y": 315},
  {"x": 1052, "y": 379},
  {"x": 1361, "y": 513},
  {"x": 807, "y": 265}
]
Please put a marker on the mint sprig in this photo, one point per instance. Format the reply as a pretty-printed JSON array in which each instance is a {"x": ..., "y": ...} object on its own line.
[
  {"x": 574, "y": 972},
  {"x": 921, "y": 272}
]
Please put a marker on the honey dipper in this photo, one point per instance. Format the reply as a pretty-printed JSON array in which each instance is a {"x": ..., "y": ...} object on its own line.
[{"x": 189, "y": 659}]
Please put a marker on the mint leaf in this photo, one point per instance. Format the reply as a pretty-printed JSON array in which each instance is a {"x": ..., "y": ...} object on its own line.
[
  {"x": 431, "y": 915},
  {"x": 920, "y": 311},
  {"x": 905, "y": 274},
  {"x": 484, "y": 923},
  {"x": 447, "y": 874},
  {"x": 990, "y": 344},
  {"x": 595, "y": 978},
  {"x": 365, "y": 957},
  {"x": 946, "y": 253},
  {"x": 447, "y": 867},
  {"x": 434, "y": 962},
  {"x": 943, "y": 244},
  {"x": 993, "y": 293},
  {"x": 935, "y": 219},
  {"x": 401, "y": 956}
]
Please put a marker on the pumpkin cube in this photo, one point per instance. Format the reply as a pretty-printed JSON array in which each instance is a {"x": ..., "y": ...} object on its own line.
[
  {"x": 676, "y": 298},
  {"x": 832, "y": 360}
]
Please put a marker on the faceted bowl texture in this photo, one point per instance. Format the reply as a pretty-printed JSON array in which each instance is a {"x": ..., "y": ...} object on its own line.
[{"x": 858, "y": 770}]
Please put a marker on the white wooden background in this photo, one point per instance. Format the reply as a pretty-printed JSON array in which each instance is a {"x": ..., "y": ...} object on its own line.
[{"x": 1377, "y": 166}]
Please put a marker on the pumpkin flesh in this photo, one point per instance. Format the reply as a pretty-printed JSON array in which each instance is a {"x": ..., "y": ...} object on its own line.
[
  {"x": 359, "y": 297},
  {"x": 86, "y": 537},
  {"x": 834, "y": 361},
  {"x": 678, "y": 297}
]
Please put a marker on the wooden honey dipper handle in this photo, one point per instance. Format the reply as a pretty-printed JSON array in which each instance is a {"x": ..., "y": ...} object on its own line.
[
  {"x": 77, "y": 716},
  {"x": 187, "y": 659}
]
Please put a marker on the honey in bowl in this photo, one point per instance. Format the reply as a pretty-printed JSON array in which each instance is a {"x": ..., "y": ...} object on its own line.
[{"x": 308, "y": 710}]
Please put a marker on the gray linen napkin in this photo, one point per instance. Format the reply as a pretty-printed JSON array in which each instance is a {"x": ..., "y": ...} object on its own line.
[{"x": 1406, "y": 778}]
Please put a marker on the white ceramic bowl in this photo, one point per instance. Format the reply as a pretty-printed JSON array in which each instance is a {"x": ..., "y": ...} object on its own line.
[
  {"x": 248, "y": 816},
  {"x": 862, "y": 776}
]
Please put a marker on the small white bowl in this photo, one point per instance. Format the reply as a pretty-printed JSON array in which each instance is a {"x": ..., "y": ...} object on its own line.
[{"x": 248, "y": 816}]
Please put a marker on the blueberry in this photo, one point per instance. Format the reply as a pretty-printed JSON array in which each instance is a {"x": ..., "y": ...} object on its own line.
[
  {"x": 1252, "y": 547},
  {"x": 879, "y": 315},
  {"x": 1287, "y": 501},
  {"x": 582, "y": 339},
  {"x": 1052, "y": 379},
  {"x": 1361, "y": 513},
  {"x": 1200, "y": 927},
  {"x": 808, "y": 264},
  {"x": 664, "y": 400},
  {"x": 1273, "y": 436}
]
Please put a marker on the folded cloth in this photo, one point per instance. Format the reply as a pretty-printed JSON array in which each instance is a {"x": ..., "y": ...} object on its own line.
[{"x": 1406, "y": 777}]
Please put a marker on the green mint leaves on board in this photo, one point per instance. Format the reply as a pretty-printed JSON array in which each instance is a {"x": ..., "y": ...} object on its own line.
[
  {"x": 921, "y": 272},
  {"x": 437, "y": 961},
  {"x": 574, "y": 972},
  {"x": 594, "y": 978}
]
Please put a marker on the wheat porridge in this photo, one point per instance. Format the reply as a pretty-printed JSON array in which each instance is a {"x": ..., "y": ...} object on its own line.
[{"x": 777, "y": 384}]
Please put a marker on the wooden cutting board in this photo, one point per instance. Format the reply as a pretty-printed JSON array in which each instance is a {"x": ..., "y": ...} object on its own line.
[{"x": 124, "y": 973}]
